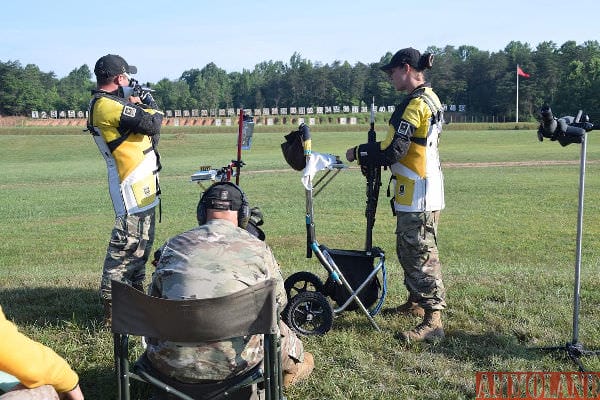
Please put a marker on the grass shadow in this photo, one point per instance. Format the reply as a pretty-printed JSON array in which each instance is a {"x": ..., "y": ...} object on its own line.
[
  {"x": 52, "y": 306},
  {"x": 481, "y": 349},
  {"x": 484, "y": 350},
  {"x": 98, "y": 383},
  {"x": 101, "y": 383},
  {"x": 356, "y": 320}
]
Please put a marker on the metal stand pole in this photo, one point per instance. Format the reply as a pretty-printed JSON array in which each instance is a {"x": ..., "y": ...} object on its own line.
[
  {"x": 575, "y": 349},
  {"x": 577, "y": 286}
]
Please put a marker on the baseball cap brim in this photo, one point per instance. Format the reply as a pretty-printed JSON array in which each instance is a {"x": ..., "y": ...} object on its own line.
[{"x": 408, "y": 56}]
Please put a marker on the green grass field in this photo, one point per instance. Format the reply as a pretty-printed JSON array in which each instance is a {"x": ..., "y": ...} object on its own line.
[{"x": 507, "y": 244}]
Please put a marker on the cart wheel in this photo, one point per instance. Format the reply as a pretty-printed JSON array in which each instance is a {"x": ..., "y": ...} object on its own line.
[
  {"x": 301, "y": 282},
  {"x": 309, "y": 313}
]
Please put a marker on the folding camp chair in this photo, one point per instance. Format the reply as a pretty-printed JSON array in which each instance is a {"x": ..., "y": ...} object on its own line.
[{"x": 248, "y": 312}]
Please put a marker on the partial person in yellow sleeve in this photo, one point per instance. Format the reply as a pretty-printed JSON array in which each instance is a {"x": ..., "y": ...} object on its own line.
[{"x": 37, "y": 372}]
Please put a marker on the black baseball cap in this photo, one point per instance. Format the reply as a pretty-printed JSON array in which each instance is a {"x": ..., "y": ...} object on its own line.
[
  {"x": 223, "y": 196},
  {"x": 408, "y": 56},
  {"x": 113, "y": 65}
]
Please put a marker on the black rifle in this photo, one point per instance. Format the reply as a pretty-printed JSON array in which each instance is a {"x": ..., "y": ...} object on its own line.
[{"x": 373, "y": 175}]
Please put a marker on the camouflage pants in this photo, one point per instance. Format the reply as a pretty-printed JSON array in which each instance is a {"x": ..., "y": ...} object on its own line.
[
  {"x": 128, "y": 251},
  {"x": 416, "y": 246}
]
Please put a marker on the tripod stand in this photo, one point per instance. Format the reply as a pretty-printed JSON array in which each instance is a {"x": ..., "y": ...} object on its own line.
[{"x": 575, "y": 349}]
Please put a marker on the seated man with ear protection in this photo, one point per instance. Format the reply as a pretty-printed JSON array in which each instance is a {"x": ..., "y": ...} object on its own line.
[{"x": 215, "y": 259}]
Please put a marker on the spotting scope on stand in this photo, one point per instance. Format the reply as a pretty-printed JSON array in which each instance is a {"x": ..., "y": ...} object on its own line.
[{"x": 567, "y": 130}]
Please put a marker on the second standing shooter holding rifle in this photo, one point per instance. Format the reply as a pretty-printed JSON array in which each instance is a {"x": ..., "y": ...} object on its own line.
[
  {"x": 410, "y": 149},
  {"x": 125, "y": 123}
]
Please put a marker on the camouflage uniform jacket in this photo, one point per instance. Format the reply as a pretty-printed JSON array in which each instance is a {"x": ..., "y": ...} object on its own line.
[{"x": 211, "y": 260}]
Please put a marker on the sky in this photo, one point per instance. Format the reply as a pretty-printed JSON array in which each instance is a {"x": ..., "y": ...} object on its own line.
[{"x": 164, "y": 39}]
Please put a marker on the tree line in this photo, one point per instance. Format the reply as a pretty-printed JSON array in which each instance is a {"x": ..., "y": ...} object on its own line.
[{"x": 566, "y": 77}]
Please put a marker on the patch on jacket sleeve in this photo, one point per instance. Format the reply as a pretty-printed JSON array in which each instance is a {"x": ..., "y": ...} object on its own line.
[
  {"x": 403, "y": 130},
  {"x": 129, "y": 111}
]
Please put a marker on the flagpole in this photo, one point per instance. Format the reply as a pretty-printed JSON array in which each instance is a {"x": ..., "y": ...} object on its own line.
[{"x": 517, "y": 113}]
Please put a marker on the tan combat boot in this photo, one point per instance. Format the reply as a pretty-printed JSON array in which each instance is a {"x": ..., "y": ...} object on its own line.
[
  {"x": 410, "y": 308},
  {"x": 107, "y": 303},
  {"x": 301, "y": 371},
  {"x": 430, "y": 329}
]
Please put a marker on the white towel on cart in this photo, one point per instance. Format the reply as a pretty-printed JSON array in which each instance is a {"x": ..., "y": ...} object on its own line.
[{"x": 315, "y": 163}]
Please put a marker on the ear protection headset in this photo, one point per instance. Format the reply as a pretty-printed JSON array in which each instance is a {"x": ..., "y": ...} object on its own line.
[{"x": 243, "y": 212}]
